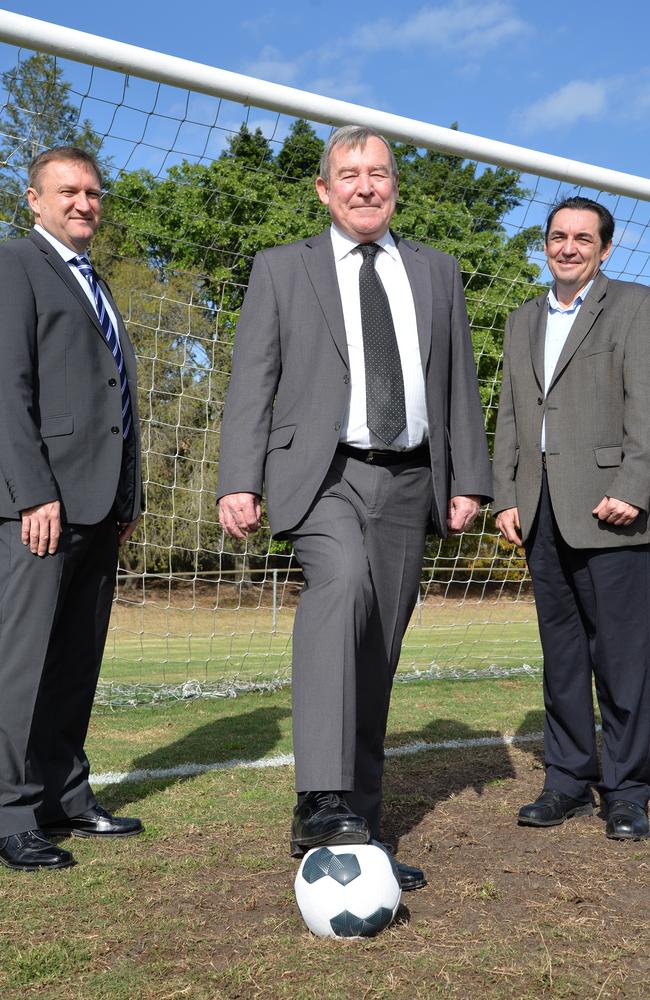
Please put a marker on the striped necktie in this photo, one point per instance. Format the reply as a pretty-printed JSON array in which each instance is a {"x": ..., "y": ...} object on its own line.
[{"x": 108, "y": 330}]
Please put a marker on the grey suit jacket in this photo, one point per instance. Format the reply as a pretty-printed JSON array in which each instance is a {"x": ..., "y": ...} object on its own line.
[
  {"x": 60, "y": 432},
  {"x": 290, "y": 386},
  {"x": 597, "y": 415}
]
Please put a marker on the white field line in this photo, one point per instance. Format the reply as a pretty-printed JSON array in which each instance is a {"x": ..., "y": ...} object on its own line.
[{"x": 285, "y": 759}]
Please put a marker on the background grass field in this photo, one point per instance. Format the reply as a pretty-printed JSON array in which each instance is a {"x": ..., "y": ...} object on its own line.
[{"x": 201, "y": 905}]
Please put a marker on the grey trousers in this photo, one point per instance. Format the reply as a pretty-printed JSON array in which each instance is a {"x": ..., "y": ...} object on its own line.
[
  {"x": 360, "y": 548},
  {"x": 54, "y": 615}
]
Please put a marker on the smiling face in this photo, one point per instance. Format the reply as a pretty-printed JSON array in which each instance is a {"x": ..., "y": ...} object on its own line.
[
  {"x": 574, "y": 251},
  {"x": 67, "y": 202},
  {"x": 361, "y": 192}
]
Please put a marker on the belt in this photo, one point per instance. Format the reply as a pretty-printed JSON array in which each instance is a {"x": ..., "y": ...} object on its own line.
[{"x": 377, "y": 456}]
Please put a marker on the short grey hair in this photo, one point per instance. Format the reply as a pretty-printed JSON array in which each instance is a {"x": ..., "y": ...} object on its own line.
[{"x": 352, "y": 136}]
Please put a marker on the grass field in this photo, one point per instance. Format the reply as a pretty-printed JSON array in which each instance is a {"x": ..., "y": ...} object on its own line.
[
  {"x": 155, "y": 643},
  {"x": 201, "y": 905}
]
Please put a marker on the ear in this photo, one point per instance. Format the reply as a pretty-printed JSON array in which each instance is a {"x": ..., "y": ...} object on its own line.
[
  {"x": 322, "y": 191},
  {"x": 32, "y": 201},
  {"x": 605, "y": 252}
]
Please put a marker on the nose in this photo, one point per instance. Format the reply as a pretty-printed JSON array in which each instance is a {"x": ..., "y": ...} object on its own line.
[
  {"x": 364, "y": 184},
  {"x": 569, "y": 247},
  {"x": 82, "y": 202}
]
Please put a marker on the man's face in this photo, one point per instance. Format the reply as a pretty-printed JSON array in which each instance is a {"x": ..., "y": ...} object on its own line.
[
  {"x": 67, "y": 202},
  {"x": 362, "y": 192},
  {"x": 573, "y": 248}
]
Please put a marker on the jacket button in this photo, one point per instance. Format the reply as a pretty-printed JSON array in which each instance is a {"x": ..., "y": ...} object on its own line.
[
  {"x": 112, "y": 382},
  {"x": 346, "y": 379},
  {"x": 337, "y": 426},
  {"x": 539, "y": 400},
  {"x": 115, "y": 430}
]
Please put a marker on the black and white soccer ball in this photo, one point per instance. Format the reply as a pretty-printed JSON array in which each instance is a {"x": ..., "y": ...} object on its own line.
[{"x": 348, "y": 890}]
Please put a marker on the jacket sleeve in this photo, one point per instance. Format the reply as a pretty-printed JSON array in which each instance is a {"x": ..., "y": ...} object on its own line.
[
  {"x": 23, "y": 455},
  {"x": 470, "y": 462},
  {"x": 504, "y": 464},
  {"x": 632, "y": 480},
  {"x": 256, "y": 367}
]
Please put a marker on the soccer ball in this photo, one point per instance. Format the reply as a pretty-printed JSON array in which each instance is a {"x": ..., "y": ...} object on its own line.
[{"x": 348, "y": 890}]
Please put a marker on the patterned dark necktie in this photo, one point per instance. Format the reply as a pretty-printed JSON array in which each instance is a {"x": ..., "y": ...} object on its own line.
[
  {"x": 385, "y": 406},
  {"x": 86, "y": 269}
]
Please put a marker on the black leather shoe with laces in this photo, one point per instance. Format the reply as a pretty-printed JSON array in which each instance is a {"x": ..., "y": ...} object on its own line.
[
  {"x": 322, "y": 818},
  {"x": 30, "y": 850},
  {"x": 626, "y": 821},
  {"x": 552, "y": 808}
]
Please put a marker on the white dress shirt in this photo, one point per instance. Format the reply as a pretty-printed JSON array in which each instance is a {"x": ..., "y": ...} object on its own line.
[
  {"x": 558, "y": 327},
  {"x": 392, "y": 274},
  {"x": 67, "y": 254}
]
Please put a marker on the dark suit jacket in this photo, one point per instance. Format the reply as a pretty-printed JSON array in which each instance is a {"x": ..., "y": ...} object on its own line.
[
  {"x": 597, "y": 415},
  {"x": 290, "y": 387},
  {"x": 61, "y": 426}
]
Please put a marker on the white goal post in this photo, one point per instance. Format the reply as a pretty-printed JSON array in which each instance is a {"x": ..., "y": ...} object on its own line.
[{"x": 191, "y": 195}]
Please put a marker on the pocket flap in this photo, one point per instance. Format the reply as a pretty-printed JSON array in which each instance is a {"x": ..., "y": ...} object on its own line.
[
  {"x": 280, "y": 437},
  {"x": 608, "y": 456},
  {"x": 56, "y": 426}
]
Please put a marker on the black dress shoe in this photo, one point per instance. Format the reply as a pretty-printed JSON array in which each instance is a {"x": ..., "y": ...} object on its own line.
[
  {"x": 552, "y": 808},
  {"x": 94, "y": 822},
  {"x": 31, "y": 850},
  {"x": 323, "y": 818},
  {"x": 410, "y": 877},
  {"x": 626, "y": 821}
]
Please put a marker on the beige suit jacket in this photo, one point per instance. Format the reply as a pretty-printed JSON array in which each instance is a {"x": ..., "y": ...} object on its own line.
[{"x": 597, "y": 415}]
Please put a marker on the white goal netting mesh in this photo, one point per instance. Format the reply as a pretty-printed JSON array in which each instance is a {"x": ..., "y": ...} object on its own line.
[{"x": 194, "y": 186}]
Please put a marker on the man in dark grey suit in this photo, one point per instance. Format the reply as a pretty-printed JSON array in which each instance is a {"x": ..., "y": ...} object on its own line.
[
  {"x": 69, "y": 494},
  {"x": 354, "y": 399},
  {"x": 572, "y": 482}
]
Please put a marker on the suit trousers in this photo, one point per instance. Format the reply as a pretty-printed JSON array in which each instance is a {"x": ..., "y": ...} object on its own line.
[
  {"x": 54, "y": 615},
  {"x": 360, "y": 547},
  {"x": 593, "y": 608}
]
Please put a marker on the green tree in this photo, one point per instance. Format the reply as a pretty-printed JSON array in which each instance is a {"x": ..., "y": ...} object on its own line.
[{"x": 38, "y": 114}]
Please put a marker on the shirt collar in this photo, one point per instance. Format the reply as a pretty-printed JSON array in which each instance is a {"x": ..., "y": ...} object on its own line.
[
  {"x": 343, "y": 244},
  {"x": 60, "y": 247},
  {"x": 555, "y": 307}
]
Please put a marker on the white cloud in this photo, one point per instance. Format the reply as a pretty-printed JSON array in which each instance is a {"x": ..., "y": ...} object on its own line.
[
  {"x": 573, "y": 102},
  {"x": 270, "y": 65},
  {"x": 462, "y": 25}
]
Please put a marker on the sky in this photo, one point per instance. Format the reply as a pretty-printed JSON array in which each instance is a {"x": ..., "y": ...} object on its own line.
[{"x": 570, "y": 79}]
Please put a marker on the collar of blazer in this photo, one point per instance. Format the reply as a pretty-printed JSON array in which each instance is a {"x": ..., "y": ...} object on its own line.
[
  {"x": 319, "y": 261},
  {"x": 590, "y": 309},
  {"x": 55, "y": 260}
]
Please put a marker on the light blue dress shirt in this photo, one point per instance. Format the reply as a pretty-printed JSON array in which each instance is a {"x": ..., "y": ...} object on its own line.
[{"x": 558, "y": 327}]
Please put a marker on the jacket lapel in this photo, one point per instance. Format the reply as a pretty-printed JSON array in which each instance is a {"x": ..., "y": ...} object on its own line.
[
  {"x": 57, "y": 263},
  {"x": 419, "y": 277},
  {"x": 318, "y": 257},
  {"x": 590, "y": 309},
  {"x": 537, "y": 334}
]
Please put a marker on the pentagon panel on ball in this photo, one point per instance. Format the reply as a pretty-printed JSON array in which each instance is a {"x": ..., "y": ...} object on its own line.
[{"x": 348, "y": 890}]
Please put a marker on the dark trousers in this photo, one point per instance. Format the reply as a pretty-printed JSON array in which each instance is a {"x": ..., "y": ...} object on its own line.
[
  {"x": 593, "y": 608},
  {"x": 54, "y": 615},
  {"x": 360, "y": 548}
]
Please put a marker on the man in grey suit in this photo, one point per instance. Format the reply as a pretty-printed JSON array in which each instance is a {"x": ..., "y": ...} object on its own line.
[
  {"x": 354, "y": 399},
  {"x": 572, "y": 482},
  {"x": 69, "y": 494}
]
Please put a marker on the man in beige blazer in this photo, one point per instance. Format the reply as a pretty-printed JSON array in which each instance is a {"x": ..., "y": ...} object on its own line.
[{"x": 572, "y": 483}]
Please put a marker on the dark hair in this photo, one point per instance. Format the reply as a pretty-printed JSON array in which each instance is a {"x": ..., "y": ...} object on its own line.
[
  {"x": 70, "y": 153},
  {"x": 352, "y": 136},
  {"x": 605, "y": 218}
]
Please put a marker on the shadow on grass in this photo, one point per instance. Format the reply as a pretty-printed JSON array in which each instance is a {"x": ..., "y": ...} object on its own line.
[
  {"x": 533, "y": 722},
  {"x": 414, "y": 785},
  {"x": 245, "y": 736}
]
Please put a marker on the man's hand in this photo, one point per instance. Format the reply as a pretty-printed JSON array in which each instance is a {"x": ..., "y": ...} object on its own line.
[
  {"x": 41, "y": 527},
  {"x": 461, "y": 513},
  {"x": 126, "y": 529},
  {"x": 616, "y": 512},
  {"x": 240, "y": 514},
  {"x": 507, "y": 521}
]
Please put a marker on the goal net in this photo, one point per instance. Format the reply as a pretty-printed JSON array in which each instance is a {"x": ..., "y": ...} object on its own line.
[{"x": 195, "y": 185}]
